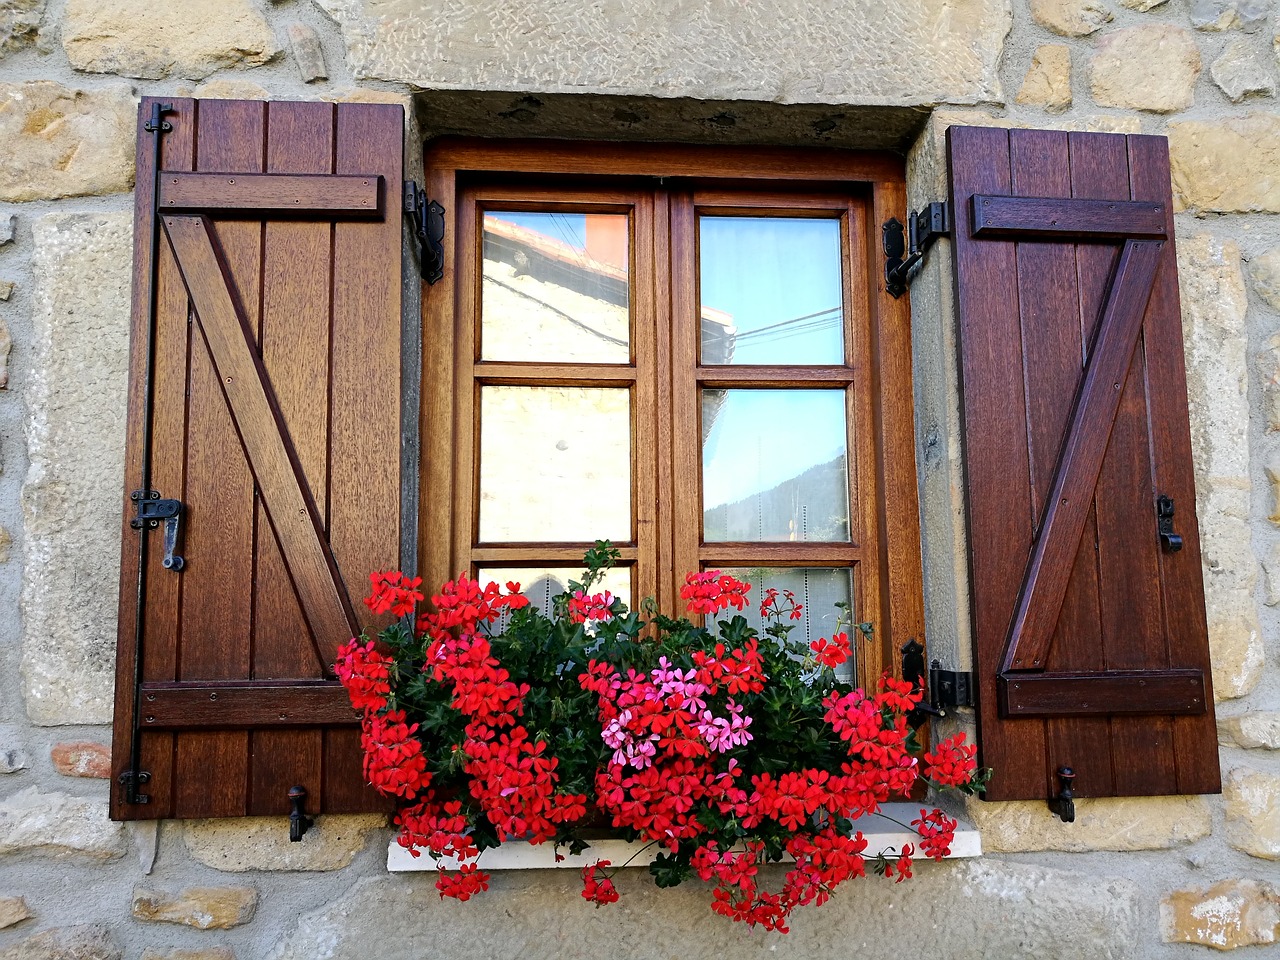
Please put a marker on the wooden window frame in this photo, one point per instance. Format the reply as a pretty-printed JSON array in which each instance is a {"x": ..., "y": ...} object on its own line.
[{"x": 686, "y": 179}]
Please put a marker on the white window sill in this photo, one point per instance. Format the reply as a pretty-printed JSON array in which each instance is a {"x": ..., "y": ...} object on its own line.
[{"x": 882, "y": 834}]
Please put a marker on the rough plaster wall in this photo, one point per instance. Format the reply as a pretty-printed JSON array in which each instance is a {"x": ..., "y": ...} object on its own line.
[{"x": 75, "y": 868}]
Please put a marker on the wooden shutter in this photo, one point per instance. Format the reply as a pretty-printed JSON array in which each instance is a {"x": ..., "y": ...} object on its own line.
[
  {"x": 1091, "y": 644},
  {"x": 275, "y": 420}
]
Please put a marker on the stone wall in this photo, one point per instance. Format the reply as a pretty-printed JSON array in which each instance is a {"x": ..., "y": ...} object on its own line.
[{"x": 1132, "y": 878}]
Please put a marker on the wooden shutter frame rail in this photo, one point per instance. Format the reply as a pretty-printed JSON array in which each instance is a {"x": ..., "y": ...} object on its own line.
[
  {"x": 1025, "y": 689},
  {"x": 251, "y": 402}
]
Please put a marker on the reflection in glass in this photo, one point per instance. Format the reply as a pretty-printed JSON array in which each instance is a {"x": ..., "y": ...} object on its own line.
[
  {"x": 771, "y": 290},
  {"x": 555, "y": 288},
  {"x": 774, "y": 466},
  {"x": 540, "y": 584},
  {"x": 555, "y": 463},
  {"x": 819, "y": 589}
]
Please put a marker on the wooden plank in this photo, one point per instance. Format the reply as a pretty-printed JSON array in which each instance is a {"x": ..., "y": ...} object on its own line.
[
  {"x": 577, "y": 375},
  {"x": 294, "y": 345},
  {"x": 1127, "y": 551},
  {"x": 894, "y": 404},
  {"x": 1100, "y": 694},
  {"x": 1069, "y": 501},
  {"x": 274, "y": 194},
  {"x": 365, "y": 389},
  {"x": 574, "y": 158},
  {"x": 997, "y": 471},
  {"x": 1053, "y": 357},
  {"x": 1194, "y": 747},
  {"x": 1054, "y": 217},
  {"x": 159, "y": 647},
  {"x": 217, "y": 608},
  {"x": 195, "y": 705},
  {"x": 292, "y": 513}
]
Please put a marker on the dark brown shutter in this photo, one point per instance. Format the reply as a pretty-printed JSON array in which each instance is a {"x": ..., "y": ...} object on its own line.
[
  {"x": 275, "y": 398},
  {"x": 1091, "y": 643}
]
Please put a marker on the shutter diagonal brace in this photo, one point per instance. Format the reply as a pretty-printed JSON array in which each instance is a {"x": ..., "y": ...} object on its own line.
[
  {"x": 290, "y": 507},
  {"x": 1080, "y": 464},
  {"x": 1025, "y": 688}
]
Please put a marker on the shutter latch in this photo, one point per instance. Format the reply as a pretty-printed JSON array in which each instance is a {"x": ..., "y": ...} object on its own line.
[
  {"x": 948, "y": 689},
  {"x": 931, "y": 222},
  {"x": 427, "y": 218},
  {"x": 1169, "y": 540},
  {"x": 151, "y": 511}
]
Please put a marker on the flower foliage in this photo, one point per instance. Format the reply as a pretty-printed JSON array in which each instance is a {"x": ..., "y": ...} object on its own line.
[{"x": 491, "y": 721}]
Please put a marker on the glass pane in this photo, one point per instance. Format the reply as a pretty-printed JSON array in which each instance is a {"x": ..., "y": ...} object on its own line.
[
  {"x": 774, "y": 465},
  {"x": 555, "y": 288},
  {"x": 771, "y": 290},
  {"x": 555, "y": 463},
  {"x": 817, "y": 588},
  {"x": 540, "y": 584}
]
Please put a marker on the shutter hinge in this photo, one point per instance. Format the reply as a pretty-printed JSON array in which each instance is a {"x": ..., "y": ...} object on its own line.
[
  {"x": 948, "y": 689},
  {"x": 131, "y": 780},
  {"x": 901, "y": 256},
  {"x": 151, "y": 510},
  {"x": 427, "y": 218}
]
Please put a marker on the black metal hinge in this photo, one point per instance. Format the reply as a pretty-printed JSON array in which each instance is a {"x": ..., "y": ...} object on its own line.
[
  {"x": 427, "y": 218},
  {"x": 901, "y": 255},
  {"x": 131, "y": 780},
  {"x": 948, "y": 689}
]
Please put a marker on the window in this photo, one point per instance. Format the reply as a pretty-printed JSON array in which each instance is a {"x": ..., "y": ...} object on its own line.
[{"x": 684, "y": 354}]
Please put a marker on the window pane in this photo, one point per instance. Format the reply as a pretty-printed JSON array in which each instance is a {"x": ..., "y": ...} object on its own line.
[
  {"x": 540, "y": 584},
  {"x": 771, "y": 290},
  {"x": 555, "y": 288},
  {"x": 817, "y": 588},
  {"x": 774, "y": 465},
  {"x": 555, "y": 463}
]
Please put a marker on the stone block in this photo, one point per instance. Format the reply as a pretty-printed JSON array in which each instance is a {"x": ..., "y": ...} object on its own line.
[
  {"x": 1048, "y": 81},
  {"x": 85, "y": 942},
  {"x": 153, "y": 39},
  {"x": 1239, "y": 72},
  {"x": 1142, "y": 6},
  {"x": 961, "y": 910},
  {"x": 308, "y": 53},
  {"x": 1226, "y": 166},
  {"x": 262, "y": 843},
  {"x": 6, "y": 347},
  {"x": 60, "y": 826},
  {"x": 789, "y": 51},
  {"x": 6, "y": 289},
  {"x": 8, "y": 224},
  {"x": 1230, "y": 914},
  {"x": 1252, "y": 731},
  {"x": 1214, "y": 303},
  {"x": 82, "y": 758},
  {"x": 13, "y": 910},
  {"x": 1264, "y": 271},
  {"x": 12, "y": 760},
  {"x": 61, "y": 142},
  {"x": 75, "y": 439},
  {"x": 1070, "y": 18},
  {"x": 1218, "y": 15},
  {"x": 1150, "y": 67},
  {"x": 1111, "y": 823},
  {"x": 203, "y": 953},
  {"x": 205, "y": 908},
  {"x": 19, "y": 24},
  {"x": 1252, "y": 803}
]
